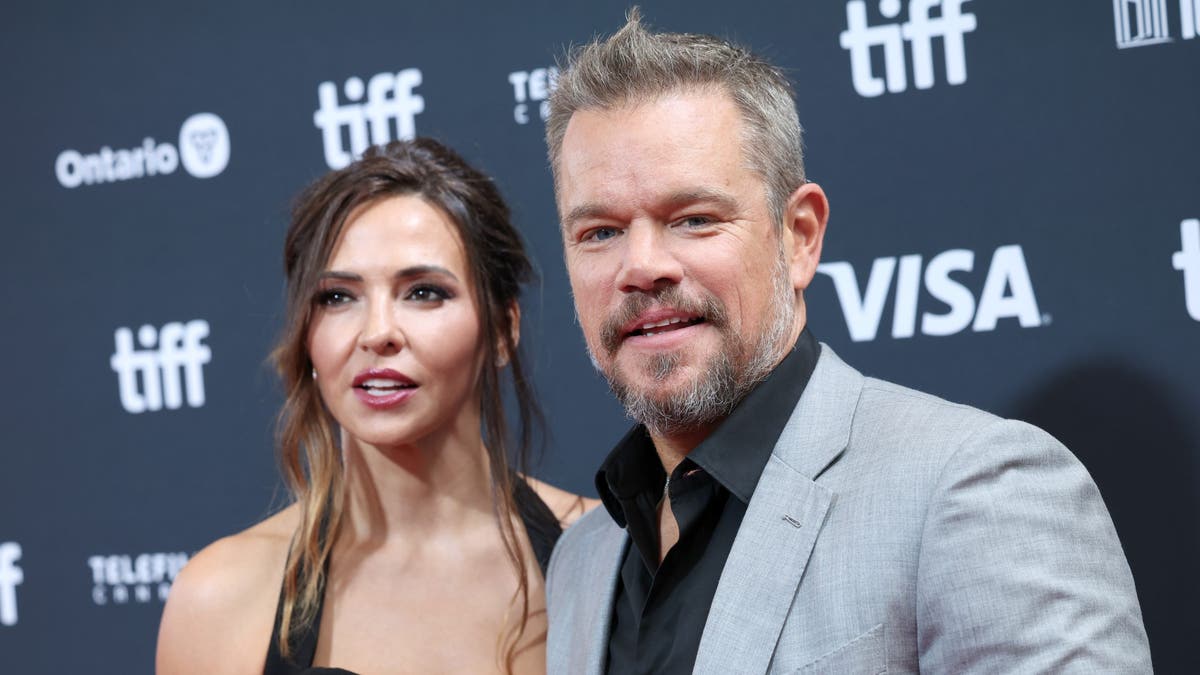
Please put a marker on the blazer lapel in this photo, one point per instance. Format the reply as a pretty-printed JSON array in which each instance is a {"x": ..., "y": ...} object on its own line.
[
  {"x": 781, "y": 525},
  {"x": 606, "y": 566}
]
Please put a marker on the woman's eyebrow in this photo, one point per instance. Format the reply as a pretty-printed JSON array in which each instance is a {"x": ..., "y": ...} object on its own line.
[
  {"x": 420, "y": 270},
  {"x": 406, "y": 273}
]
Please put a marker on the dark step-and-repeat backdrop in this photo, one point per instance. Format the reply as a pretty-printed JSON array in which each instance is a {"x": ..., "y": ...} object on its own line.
[{"x": 1016, "y": 225}]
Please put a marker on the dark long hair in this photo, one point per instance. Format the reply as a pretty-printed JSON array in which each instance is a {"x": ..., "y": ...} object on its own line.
[{"x": 308, "y": 450}]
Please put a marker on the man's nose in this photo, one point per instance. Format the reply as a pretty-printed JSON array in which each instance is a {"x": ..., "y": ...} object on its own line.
[{"x": 649, "y": 262}]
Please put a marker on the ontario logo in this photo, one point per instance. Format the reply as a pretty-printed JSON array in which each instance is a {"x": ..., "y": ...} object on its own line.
[{"x": 203, "y": 151}]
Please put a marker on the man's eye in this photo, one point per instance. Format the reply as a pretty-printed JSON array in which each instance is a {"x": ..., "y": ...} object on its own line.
[
  {"x": 600, "y": 234},
  {"x": 428, "y": 294},
  {"x": 333, "y": 296},
  {"x": 696, "y": 221}
]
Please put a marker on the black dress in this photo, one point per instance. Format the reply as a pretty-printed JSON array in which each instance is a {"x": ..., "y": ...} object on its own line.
[{"x": 540, "y": 525}]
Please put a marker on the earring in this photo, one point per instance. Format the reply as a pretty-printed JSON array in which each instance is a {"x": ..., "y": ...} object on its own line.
[{"x": 314, "y": 373}]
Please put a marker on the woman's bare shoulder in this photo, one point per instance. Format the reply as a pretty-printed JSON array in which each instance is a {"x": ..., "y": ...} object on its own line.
[
  {"x": 218, "y": 616},
  {"x": 238, "y": 562},
  {"x": 566, "y": 506}
]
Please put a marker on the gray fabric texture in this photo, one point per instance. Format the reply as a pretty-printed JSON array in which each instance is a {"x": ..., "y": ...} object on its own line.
[{"x": 894, "y": 532}]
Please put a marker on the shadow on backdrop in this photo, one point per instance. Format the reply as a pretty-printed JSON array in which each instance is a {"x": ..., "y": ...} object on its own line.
[{"x": 1135, "y": 439}]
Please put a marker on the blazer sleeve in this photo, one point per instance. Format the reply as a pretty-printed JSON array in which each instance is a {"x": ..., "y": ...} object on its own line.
[{"x": 1020, "y": 568}]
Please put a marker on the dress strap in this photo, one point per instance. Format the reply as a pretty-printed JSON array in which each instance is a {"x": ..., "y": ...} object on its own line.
[
  {"x": 541, "y": 525},
  {"x": 301, "y": 638}
]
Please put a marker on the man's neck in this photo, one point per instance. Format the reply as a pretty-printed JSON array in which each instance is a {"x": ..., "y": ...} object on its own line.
[{"x": 673, "y": 448}]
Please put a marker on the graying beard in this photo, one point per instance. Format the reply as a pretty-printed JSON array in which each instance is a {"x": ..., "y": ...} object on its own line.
[
  {"x": 714, "y": 394},
  {"x": 663, "y": 365},
  {"x": 704, "y": 400}
]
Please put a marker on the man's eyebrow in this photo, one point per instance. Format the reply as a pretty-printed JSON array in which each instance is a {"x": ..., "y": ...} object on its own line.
[
  {"x": 583, "y": 212},
  {"x": 406, "y": 273},
  {"x": 719, "y": 198}
]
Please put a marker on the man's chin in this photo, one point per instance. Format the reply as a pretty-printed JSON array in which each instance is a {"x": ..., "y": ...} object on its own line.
[
  {"x": 660, "y": 369},
  {"x": 645, "y": 384}
]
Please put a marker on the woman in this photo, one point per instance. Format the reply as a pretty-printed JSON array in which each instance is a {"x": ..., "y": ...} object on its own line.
[{"x": 412, "y": 546}]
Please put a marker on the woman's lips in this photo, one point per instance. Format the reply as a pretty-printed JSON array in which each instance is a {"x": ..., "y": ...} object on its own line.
[
  {"x": 382, "y": 388},
  {"x": 382, "y": 399}
]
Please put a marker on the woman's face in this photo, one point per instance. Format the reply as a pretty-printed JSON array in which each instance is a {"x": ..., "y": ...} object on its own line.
[{"x": 394, "y": 336}]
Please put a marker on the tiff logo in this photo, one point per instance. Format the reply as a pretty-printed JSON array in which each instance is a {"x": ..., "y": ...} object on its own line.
[
  {"x": 11, "y": 576},
  {"x": 1144, "y": 22},
  {"x": 163, "y": 355},
  {"x": 389, "y": 96},
  {"x": 922, "y": 27},
  {"x": 1187, "y": 260}
]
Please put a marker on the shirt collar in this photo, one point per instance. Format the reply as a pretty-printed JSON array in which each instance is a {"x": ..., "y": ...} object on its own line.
[
  {"x": 630, "y": 469},
  {"x": 735, "y": 454}
]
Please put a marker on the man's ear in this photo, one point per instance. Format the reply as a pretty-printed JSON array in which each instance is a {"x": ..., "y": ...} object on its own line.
[
  {"x": 804, "y": 218},
  {"x": 514, "y": 322}
]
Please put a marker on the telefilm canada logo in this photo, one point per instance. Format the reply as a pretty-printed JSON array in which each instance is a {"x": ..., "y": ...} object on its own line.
[
  {"x": 531, "y": 91},
  {"x": 1140, "y": 23},
  {"x": 861, "y": 38},
  {"x": 122, "y": 579},
  {"x": 203, "y": 151},
  {"x": 169, "y": 365},
  {"x": 1187, "y": 260},
  {"x": 388, "y": 113},
  {"x": 1007, "y": 293},
  {"x": 11, "y": 576}
]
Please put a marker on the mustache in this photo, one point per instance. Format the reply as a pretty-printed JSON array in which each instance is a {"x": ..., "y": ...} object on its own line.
[{"x": 707, "y": 306}]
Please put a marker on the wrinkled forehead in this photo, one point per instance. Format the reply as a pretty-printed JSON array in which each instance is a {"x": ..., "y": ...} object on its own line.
[
  {"x": 722, "y": 103},
  {"x": 692, "y": 141}
]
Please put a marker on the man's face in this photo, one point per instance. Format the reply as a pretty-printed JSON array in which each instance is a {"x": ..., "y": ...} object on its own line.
[{"x": 681, "y": 283}]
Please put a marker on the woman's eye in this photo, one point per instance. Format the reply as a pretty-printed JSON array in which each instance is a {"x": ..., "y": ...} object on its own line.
[
  {"x": 333, "y": 296},
  {"x": 428, "y": 294}
]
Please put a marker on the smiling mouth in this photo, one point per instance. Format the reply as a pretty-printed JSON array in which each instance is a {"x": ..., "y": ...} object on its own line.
[
  {"x": 381, "y": 387},
  {"x": 665, "y": 326}
]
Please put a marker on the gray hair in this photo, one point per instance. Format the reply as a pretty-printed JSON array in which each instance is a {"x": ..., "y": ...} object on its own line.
[{"x": 635, "y": 65}]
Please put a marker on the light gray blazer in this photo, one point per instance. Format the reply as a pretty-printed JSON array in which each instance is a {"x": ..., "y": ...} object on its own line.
[{"x": 891, "y": 532}]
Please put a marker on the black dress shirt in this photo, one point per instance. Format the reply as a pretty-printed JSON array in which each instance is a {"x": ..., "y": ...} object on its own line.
[{"x": 659, "y": 611}]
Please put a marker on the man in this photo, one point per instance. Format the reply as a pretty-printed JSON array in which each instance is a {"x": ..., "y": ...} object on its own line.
[{"x": 774, "y": 510}]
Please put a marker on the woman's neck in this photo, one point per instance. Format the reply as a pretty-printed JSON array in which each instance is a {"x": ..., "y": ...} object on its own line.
[{"x": 436, "y": 487}]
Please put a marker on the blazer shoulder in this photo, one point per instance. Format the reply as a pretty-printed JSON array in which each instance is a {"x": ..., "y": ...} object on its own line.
[
  {"x": 919, "y": 429},
  {"x": 580, "y": 538},
  {"x": 889, "y": 404},
  {"x": 877, "y": 390},
  {"x": 957, "y": 423},
  {"x": 844, "y": 417},
  {"x": 578, "y": 553}
]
